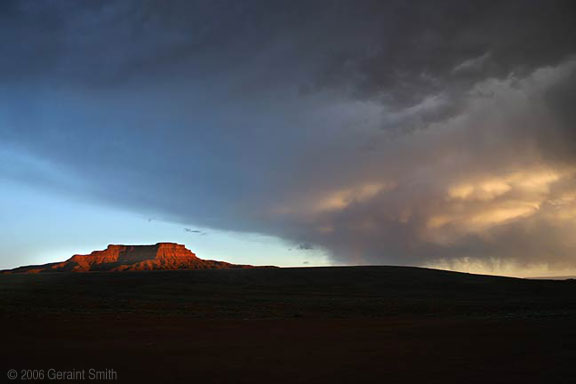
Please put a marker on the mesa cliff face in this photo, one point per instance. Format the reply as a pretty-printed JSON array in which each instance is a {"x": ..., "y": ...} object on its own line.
[{"x": 118, "y": 258}]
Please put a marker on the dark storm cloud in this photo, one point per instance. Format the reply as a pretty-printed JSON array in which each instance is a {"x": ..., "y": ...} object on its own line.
[
  {"x": 195, "y": 231},
  {"x": 305, "y": 247},
  {"x": 396, "y": 131}
]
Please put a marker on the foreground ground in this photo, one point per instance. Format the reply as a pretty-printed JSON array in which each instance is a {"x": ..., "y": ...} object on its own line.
[{"x": 310, "y": 325}]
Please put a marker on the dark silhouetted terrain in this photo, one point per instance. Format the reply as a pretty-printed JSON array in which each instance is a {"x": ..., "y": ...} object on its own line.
[{"x": 299, "y": 325}]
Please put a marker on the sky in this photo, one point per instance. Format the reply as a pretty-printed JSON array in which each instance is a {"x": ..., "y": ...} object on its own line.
[{"x": 292, "y": 133}]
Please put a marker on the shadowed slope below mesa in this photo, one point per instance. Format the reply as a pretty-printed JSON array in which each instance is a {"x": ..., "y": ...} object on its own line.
[
  {"x": 264, "y": 293},
  {"x": 118, "y": 258}
]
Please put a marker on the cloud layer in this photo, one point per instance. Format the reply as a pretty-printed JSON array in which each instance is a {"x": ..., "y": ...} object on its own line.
[{"x": 384, "y": 132}]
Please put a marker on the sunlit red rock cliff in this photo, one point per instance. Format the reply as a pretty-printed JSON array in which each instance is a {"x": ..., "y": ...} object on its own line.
[{"x": 118, "y": 258}]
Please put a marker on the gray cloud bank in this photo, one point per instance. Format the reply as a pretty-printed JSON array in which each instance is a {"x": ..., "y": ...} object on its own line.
[{"x": 410, "y": 132}]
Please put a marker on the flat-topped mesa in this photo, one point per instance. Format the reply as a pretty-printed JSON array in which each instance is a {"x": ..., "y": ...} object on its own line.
[
  {"x": 170, "y": 255},
  {"x": 116, "y": 258}
]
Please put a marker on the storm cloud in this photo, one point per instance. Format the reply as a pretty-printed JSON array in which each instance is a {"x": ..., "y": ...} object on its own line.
[{"x": 407, "y": 132}]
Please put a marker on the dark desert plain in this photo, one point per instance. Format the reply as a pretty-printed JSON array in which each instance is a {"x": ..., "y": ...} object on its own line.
[{"x": 293, "y": 325}]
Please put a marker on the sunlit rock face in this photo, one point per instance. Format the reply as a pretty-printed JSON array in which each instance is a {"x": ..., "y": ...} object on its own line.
[{"x": 117, "y": 258}]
